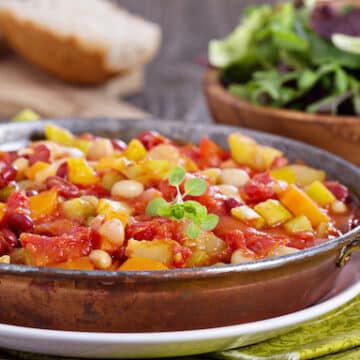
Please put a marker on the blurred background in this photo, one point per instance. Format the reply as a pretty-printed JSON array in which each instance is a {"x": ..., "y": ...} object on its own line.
[{"x": 174, "y": 78}]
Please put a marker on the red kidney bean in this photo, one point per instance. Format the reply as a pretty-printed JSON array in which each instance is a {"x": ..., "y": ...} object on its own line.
[
  {"x": 62, "y": 171},
  {"x": 41, "y": 153},
  {"x": 118, "y": 145},
  {"x": 340, "y": 191},
  {"x": 151, "y": 138},
  {"x": 8, "y": 240},
  {"x": 64, "y": 187},
  {"x": 231, "y": 203},
  {"x": 31, "y": 192},
  {"x": 20, "y": 222},
  {"x": 7, "y": 173}
]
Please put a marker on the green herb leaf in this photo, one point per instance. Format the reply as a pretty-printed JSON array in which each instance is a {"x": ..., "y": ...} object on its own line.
[
  {"x": 154, "y": 205},
  {"x": 177, "y": 176},
  {"x": 192, "y": 231},
  {"x": 210, "y": 222},
  {"x": 166, "y": 211},
  {"x": 195, "y": 211},
  {"x": 195, "y": 187},
  {"x": 177, "y": 211}
]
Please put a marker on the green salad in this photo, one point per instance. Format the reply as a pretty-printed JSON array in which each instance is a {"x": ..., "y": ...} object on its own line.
[{"x": 298, "y": 56}]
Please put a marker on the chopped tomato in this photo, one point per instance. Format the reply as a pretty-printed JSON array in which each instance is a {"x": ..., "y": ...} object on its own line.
[
  {"x": 210, "y": 154},
  {"x": 140, "y": 202},
  {"x": 259, "y": 188},
  {"x": 55, "y": 227},
  {"x": 17, "y": 201},
  {"x": 213, "y": 199},
  {"x": 262, "y": 243},
  {"x": 152, "y": 138},
  {"x": 150, "y": 228},
  {"x": 279, "y": 162},
  {"x": 301, "y": 240},
  {"x": 45, "y": 250}
]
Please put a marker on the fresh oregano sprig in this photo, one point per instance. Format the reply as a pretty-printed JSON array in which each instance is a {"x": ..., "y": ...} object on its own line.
[{"x": 181, "y": 209}]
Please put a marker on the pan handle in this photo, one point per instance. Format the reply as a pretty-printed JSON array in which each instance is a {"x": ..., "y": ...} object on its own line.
[{"x": 347, "y": 250}]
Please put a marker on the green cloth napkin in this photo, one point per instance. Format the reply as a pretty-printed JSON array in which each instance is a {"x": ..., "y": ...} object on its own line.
[{"x": 335, "y": 336}]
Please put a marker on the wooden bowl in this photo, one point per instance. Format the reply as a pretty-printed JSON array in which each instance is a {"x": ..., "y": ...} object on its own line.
[{"x": 337, "y": 134}]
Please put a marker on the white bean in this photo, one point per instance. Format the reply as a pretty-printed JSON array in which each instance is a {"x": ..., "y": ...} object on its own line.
[
  {"x": 230, "y": 191},
  {"x": 21, "y": 164},
  {"x": 283, "y": 250},
  {"x": 236, "y": 177},
  {"x": 99, "y": 149},
  {"x": 101, "y": 259},
  {"x": 338, "y": 207},
  {"x": 5, "y": 259},
  {"x": 113, "y": 231},
  {"x": 164, "y": 152},
  {"x": 238, "y": 257},
  {"x": 127, "y": 189}
]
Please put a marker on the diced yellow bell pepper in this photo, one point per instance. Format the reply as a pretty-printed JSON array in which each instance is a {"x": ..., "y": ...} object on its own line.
[
  {"x": 112, "y": 163},
  {"x": 299, "y": 224},
  {"x": 43, "y": 204},
  {"x": 142, "y": 264},
  {"x": 31, "y": 172},
  {"x": 59, "y": 135},
  {"x": 247, "y": 215},
  {"x": 187, "y": 163},
  {"x": 323, "y": 229},
  {"x": 320, "y": 193},
  {"x": 80, "y": 173},
  {"x": 299, "y": 203},
  {"x": 47, "y": 171},
  {"x": 273, "y": 212},
  {"x": 78, "y": 209},
  {"x": 158, "y": 250},
  {"x": 213, "y": 174},
  {"x": 82, "y": 144},
  {"x": 265, "y": 155},
  {"x": 242, "y": 148},
  {"x": 26, "y": 115},
  {"x": 245, "y": 151},
  {"x": 285, "y": 174},
  {"x": 198, "y": 258},
  {"x": 110, "y": 178},
  {"x": 305, "y": 175},
  {"x": 148, "y": 170},
  {"x": 135, "y": 151}
]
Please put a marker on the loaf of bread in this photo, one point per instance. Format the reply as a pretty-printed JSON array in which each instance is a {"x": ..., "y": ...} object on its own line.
[{"x": 80, "y": 41}]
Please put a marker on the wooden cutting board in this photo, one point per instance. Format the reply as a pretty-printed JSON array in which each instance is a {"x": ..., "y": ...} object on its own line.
[{"x": 24, "y": 86}]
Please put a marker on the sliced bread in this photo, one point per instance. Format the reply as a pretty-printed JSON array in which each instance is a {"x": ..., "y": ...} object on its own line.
[{"x": 82, "y": 41}]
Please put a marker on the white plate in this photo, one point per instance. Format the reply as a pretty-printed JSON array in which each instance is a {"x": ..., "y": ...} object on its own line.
[{"x": 179, "y": 343}]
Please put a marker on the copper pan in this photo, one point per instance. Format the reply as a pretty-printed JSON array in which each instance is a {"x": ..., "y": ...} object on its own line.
[{"x": 176, "y": 299}]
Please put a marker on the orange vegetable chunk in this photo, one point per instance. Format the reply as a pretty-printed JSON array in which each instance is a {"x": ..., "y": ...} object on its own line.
[
  {"x": 43, "y": 204},
  {"x": 82, "y": 263},
  {"x": 34, "y": 169},
  {"x": 139, "y": 264},
  {"x": 299, "y": 203}
]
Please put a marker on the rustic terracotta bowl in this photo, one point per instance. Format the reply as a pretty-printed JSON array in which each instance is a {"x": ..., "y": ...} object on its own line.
[
  {"x": 337, "y": 134},
  {"x": 183, "y": 299}
]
